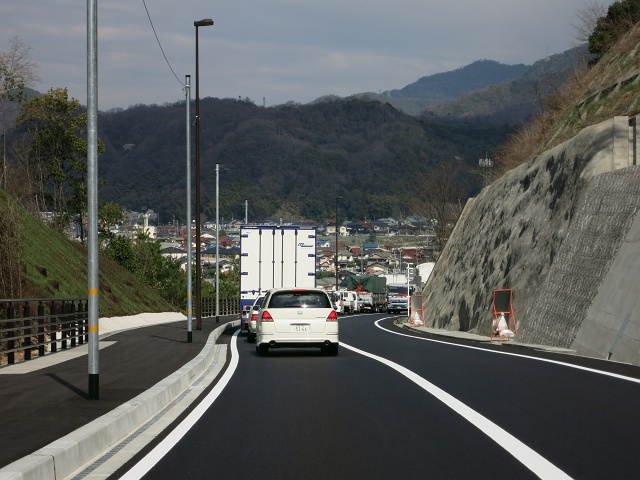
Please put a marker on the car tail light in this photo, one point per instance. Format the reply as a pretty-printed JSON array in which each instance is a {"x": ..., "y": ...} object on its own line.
[
  {"x": 333, "y": 316},
  {"x": 254, "y": 317},
  {"x": 266, "y": 317}
]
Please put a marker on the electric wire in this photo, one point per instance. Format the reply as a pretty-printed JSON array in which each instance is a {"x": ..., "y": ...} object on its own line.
[{"x": 159, "y": 44}]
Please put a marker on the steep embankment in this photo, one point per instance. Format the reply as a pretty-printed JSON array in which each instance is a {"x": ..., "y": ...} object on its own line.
[
  {"x": 561, "y": 230},
  {"x": 52, "y": 267}
]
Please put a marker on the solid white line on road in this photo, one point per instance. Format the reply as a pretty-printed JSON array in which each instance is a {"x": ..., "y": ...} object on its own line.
[
  {"x": 538, "y": 359},
  {"x": 525, "y": 455},
  {"x": 154, "y": 456}
]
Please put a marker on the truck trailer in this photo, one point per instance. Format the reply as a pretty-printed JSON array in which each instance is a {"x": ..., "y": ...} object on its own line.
[
  {"x": 274, "y": 257},
  {"x": 371, "y": 290}
]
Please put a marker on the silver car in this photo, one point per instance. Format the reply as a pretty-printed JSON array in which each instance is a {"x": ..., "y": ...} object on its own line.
[
  {"x": 253, "y": 317},
  {"x": 297, "y": 317}
]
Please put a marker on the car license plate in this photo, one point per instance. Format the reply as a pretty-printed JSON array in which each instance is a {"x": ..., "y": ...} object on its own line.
[{"x": 299, "y": 328}]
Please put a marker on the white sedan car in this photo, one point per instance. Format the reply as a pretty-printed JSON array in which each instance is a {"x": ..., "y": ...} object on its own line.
[{"x": 297, "y": 317}]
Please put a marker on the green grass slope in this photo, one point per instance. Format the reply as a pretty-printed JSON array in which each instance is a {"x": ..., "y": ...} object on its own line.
[{"x": 54, "y": 267}]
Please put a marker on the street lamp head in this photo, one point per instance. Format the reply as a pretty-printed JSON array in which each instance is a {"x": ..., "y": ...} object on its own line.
[{"x": 206, "y": 22}]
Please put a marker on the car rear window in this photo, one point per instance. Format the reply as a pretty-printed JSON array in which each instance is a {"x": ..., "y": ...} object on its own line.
[
  {"x": 299, "y": 299},
  {"x": 258, "y": 303}
]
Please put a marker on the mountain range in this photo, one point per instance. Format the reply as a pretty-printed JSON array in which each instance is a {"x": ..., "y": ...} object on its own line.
[
  {"x": 378, "y": 151},
  {"x": 466, "y": 91}
]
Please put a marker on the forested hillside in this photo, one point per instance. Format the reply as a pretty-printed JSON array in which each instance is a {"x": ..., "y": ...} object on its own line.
[
  {"x": 289, "y": 161},
  {"x": 519, "y": 99}
]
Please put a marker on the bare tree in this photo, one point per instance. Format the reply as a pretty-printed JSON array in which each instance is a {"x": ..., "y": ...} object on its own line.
[
  {"x": 588, "y": 20},
  {"x": 440, "y": 197},
  {"x": 17, "y": 71}
]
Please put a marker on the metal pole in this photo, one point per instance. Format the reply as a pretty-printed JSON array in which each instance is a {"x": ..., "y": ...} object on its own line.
[
  {"x": 187, "y": 89},
  {"x": 4, "y": 150},
  {"x": 198, "y": 258},
  {"x": 199, "y": 23},
  {"x": 336, "y": 259},
  {"x": 92, "y": 196},
  {"x": 246, "y": 211},
  {"x": 217, "y": 243}
]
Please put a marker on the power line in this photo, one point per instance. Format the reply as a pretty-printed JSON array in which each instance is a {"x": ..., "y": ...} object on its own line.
[{"x": 159, "y": 44}]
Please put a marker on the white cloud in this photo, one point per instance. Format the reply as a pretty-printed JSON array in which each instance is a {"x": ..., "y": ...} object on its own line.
[{"x": 282, "y": 49}]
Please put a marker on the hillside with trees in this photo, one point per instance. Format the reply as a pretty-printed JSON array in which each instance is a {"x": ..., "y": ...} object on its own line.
[
  {"x": 515, "y": 101},
  {"x": 289, "y": 161},
  {"x": 38, "y": 261}
]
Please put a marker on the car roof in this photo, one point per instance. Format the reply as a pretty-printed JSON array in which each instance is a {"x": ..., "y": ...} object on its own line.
[{"x": 296, "y": 289}]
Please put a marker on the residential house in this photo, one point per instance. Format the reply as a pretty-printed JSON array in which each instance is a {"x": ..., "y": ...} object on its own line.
[
  {"x": 173, "y": 252},
  {"x": 208, "y": 256}
]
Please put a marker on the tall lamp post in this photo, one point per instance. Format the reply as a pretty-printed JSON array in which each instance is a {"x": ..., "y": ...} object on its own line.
[
  {"x": 336, "y": 259},
  {"x": 217, "y": 243},
  {"x": 200, "y": 23},
  {"x": 93, "y": 328},
  {"x": 187, "y": 84}
]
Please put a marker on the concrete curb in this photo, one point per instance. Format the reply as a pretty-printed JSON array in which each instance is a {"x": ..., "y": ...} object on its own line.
[
  {"x": 61, "y": 458},
  {"x": 487, "y": 340}
]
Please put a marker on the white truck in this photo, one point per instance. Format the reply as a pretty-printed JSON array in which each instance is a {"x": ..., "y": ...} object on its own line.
[
  {"x": 351, "y": 302},
  {"x": 274, "y": 257},
  {"x": 398, "y": 295}
]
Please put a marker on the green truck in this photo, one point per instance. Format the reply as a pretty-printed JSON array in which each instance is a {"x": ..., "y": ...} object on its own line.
[{"x": 372, "y": 291}]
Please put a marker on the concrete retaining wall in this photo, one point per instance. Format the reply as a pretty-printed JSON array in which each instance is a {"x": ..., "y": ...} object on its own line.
[
  {"x": 551, "y": 230},
  {"x": 603, "y": 217}
]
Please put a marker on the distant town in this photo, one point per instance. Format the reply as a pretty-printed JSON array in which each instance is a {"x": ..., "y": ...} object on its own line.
[{"x": 382, "y": 247}]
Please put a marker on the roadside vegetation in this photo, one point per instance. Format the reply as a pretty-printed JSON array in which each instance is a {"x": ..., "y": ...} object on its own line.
[
  {"x": 44, "y": 193},
  {"x": 604, "y": 85},
  {"x": 44, "y": 264}
]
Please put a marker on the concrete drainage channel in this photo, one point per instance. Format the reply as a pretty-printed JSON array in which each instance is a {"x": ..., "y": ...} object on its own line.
[{"x": 71, "y": 453}]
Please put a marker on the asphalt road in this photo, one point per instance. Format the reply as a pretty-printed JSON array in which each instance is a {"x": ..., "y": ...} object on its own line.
[{"x": 398, "y": 405}]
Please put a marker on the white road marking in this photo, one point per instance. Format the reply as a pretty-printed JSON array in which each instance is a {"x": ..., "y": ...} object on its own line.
[
  {"x": 154, "y": 456},
  {"x": 525, "y": 455},
  {"x": 499, "y": 352}
]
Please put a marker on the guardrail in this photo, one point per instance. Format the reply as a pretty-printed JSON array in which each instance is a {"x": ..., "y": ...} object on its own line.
[
  {"x": 228, "y": 306},
  {"x": 57, "y": 323}
]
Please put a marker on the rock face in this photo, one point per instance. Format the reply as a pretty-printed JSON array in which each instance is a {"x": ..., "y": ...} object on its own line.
[{"x": 562, "y": 232}]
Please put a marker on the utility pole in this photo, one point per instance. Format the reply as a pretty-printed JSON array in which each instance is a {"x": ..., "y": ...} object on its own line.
[
  {"x": 188, "y": 236},
  {"x": 92, "y": 199},
  {"x": 336, "y": 259}
]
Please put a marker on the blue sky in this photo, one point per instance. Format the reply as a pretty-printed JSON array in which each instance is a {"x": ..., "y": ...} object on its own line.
[{"x": 279, "y": 50}]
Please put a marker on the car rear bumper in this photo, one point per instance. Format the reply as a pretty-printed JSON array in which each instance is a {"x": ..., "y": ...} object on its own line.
[{"x": 281, "y": 341}]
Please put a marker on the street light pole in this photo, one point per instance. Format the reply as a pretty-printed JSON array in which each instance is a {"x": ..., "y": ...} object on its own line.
[
  {"x": 217, "y": 243},
  {"x": 336, "y": 259},
  {"x": 200, "y": 23},
  {"x": 189, "y": 259},
  {"x": 92, "y": 201}
]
